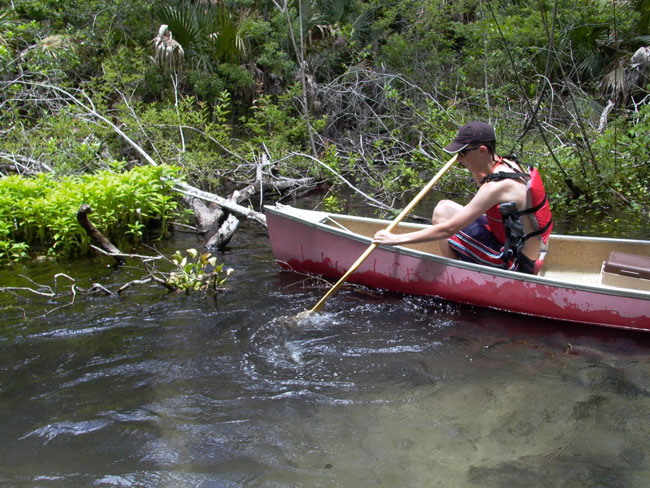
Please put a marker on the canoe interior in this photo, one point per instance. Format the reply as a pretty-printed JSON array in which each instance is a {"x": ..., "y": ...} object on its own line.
[{"x": 571, "y": 259}]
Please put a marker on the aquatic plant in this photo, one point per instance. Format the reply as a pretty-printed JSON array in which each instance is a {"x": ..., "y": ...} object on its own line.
[
  {"x": 41, "y": 211},
  {"x": 197, "y": 272}
]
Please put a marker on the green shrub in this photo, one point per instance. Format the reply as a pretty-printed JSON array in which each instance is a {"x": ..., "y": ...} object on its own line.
[{"x": 42, "y": 211}]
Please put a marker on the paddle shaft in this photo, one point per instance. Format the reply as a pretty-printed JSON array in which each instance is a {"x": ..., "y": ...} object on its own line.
[{"x": 390, "y": 227}]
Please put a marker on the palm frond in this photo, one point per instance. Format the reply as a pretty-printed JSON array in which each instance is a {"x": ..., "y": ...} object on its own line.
[
  {"x": 613, "y": 83},
  {"x": 168, "y": 53},
  {"x": 182, "y": 22},
  {"x": 362, "y": 25}
]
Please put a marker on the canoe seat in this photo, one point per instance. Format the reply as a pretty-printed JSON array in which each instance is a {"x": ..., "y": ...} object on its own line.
[{"x": 626, "y": 271}]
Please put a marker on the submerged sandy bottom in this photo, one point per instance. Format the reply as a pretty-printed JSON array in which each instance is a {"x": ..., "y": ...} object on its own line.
[{"x": 152, "y": 389}]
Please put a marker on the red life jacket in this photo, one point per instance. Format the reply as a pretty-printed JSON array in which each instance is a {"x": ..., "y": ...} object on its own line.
[{"x": 504, "y": 220}]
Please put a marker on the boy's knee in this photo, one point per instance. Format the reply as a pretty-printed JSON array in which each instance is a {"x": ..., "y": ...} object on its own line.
[{"x": 444, "y": 210}]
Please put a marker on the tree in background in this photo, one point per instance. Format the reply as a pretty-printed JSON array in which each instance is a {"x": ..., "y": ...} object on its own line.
[{"x": 368, "y": 86}]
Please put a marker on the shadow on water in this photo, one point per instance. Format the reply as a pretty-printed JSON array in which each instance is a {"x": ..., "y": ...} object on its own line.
[{"x": 153, "y": 389}]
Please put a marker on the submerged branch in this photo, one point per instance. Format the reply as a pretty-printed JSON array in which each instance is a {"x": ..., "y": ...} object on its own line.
[{"x": 123, "y": 255}]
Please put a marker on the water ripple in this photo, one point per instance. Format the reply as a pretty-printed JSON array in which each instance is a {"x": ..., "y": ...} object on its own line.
[{"x": 51, "y": 431}]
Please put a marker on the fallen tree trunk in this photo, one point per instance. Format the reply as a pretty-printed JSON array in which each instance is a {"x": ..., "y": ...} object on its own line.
[
  {"x": 283, "y": 185},
  {"x": 221, "y": 239},
  {"x": 228, "y": 223},
  {"x": 211, "y": 217},
  {"x": 227, "y": 204},
  {"x": 221, "y": 211},
  {"x": 208, "y": 217}
]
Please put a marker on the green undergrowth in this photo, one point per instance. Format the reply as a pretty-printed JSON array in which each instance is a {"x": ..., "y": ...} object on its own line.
[{"x": 39, "y": 213}]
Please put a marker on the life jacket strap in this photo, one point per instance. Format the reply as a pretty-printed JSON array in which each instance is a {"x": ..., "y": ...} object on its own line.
[
  {"x": 503, "y": 175},
  {"x": 535, "y": 208}
]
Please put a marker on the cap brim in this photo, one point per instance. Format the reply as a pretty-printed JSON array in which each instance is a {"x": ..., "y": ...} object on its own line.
[{"x": 454, "y": 147}]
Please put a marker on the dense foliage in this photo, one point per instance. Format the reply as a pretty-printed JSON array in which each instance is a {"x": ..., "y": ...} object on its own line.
[
  {"x": 40, "y": 212},
  {"x": 369, "y": 89}
]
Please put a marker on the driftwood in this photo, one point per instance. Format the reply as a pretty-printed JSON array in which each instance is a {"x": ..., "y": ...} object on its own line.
[
  {"x": 13, "y": 168},
  {"x": 227, "y": 204},
  {"x": 602, "y": 125},
  {"x": 212, "y": 216},
  {"x": 218, "y": 213},
  {"x": 144, "y": 258},
  {"x": 207, "y": 216},
  {"x": 96, "y": 236},
  {"x": 284, "y": 185},
  {"x": 221, "y": 213},
  {"x": 228, "y": 223},
  {"x": 221, "y": 239},
  {"x": 232, "y": 204}
]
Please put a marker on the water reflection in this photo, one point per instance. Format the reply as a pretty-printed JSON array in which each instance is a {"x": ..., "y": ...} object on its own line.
[{"x": 152, "y": 389}]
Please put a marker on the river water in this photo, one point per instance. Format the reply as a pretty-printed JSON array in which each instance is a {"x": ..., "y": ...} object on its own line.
[{"x": 151, "y": 389}]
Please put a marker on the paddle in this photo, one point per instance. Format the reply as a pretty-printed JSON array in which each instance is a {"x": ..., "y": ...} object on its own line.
[{"x": 372, "y": 247}]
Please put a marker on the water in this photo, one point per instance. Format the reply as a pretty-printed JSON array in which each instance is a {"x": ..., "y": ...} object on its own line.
[{"x": 151, "y": 389}]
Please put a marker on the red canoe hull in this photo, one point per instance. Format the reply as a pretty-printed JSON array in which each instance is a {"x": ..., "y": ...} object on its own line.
[{"x": 307, "y": 248}]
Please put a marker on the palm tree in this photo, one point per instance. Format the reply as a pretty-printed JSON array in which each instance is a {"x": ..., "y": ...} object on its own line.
[
  {"x": 620, "y": 60},
  {"x": 208, "y": 33}
]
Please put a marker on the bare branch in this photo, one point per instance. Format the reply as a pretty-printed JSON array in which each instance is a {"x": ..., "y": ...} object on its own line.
[
  {"x": 83, "y": 101},
  {"x": 123, "y": 255},
  {"x": 338, "y": 175}
]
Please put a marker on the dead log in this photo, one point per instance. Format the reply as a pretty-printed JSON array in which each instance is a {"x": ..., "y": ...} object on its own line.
[
  {"x": 211, "y": 216},
  {"x": 13, "y": 168},
  {"x": 284, "y": 185},
  {"x": 228, "y": 223},
  {"x": 207, "y": 216},
  {"x": 247, "y": 193},
  {"x": 602, "y": 125},
  {"x": 221, "y": 239},
  {"x": 279, "y": 185},
  {"x": 144, "y": 258},
  {"x": 96, "y": 236},
  {"x": 227, "y": 204}
]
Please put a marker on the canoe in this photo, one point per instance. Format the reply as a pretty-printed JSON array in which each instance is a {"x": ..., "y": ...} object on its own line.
[{"x": 590, "y": 280}]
